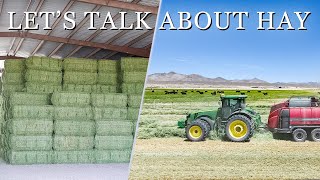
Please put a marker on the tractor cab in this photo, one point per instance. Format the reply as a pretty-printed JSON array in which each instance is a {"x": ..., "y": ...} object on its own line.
[{"x": 232, "y": 103}]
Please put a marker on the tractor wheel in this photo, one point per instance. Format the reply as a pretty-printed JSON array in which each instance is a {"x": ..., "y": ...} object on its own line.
[
  {"x": 239, "y": 128},
  {"x": 197, "y": 131},
  {"x": 315, "y": 135},
  {"x": 299, "y": 135}
]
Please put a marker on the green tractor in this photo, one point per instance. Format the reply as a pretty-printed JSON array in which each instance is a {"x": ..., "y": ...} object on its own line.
[{"x": 233, "y": 121}]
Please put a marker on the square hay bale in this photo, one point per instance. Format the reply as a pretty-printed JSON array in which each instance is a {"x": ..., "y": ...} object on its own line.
[
  {"x": 69, "y": 143},
  {"x": 105, "y": 89},
  {"x": 27, "y": 111},
  {"x": 79, "y": 88},
  {"x": 132, "y": 64},
  {"x": 133, "y": 77},
  {"x": 14, "y": 66},
  {"x": 114, "y": 128},
  {"x": 109, "y": 100},
  {"x": 134, "y": 100},
  {"x": 108, "y": 79},
  {"x": 70, "y": 99},
  {"x": 28, "y": 157},
  {"x": 8, "y": 88},
  {"x": 73, "y": 157},
  {"x": 73, "y": 113},
  {"x": 109, "y": 114},
  {"x": 83, "y": 78},
  {"x": 133, "y": 114},
  {"x": 29, "y": 126},
  {"x": 132, "y": 88},
  {"x": 112, "y": 156},
  {"x": 42, "y": 87},
  {"x": 80, "y": 65},
  {"x": 74, "y": 128},
  {"x": 44, "y": 63},
  {"x": 28, "y": 143},
  {"x": 24, "y": 98},
  {"x": 13, "y": 78},
  {"x": 108, "y": 66},
  {"x": 113, "y": 142},
  {"x": 39, "y": 76}
]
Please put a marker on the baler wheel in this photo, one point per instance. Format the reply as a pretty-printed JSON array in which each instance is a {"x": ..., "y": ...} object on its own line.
[
  {"x": 239, "y": 128},
  {"x": 315, "y": 135},
  {"x": 197, "y": 131},
  {"x": 299, "y": 135}
]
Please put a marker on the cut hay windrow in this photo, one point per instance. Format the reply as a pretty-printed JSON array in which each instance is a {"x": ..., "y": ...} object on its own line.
[
  {"x": 13, "y": 78},
  {"x": 109, "y": 100},
  {"x": 79, "y": 88},
  {"x": 28, "y": 157},
  {"x": 44, "y": 63},
  {"x": 23, "y": 98},
  {"x": 28, "y": 143},
  {"x": 39, "y": 76},
  {"x": 29, "y": 126},
  {"x": 70, "y": 99},
  {"x": 134, "y": 100},
  {"x": 42, "y": 87},
  {"x": 112, "y": 156},
  {"x": 80, "y": 65},
  {"x": 108, "y": 66},
  {"x": 116, "y": 128},
  {"x": 132, "y": 88},
  {"x": 134, "y": 64},
  {"x": 110, "y": 114},
  {"x": 27, "y": 111},
  {"x": 107, "y": 79},
  {"x": 105, "y": 89},
  {"x": 113, "y": 142},
  {"x": 133, "y": 114},
  {"x": 14, "y": 66},
  {"x": 133, "y": 77},
  {"x": 73, "y": 157},
  {"x": 74, "y": 128},
  {"x": 83, "y": 78},
  {"x": 69, "y": 143},
  {"x": 73, "y": 113}
]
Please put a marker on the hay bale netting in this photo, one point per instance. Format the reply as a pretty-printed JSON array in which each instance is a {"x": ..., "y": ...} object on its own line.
[
  {"x": 42, "y": 87},
  {"x": 74, "y": 128},
  {"x": 110, "y": 113},
  {"x": 80, "y": 65},
  {"x": 113, "y": 142},
  {"x": 112, "y": 156},
  {"x": 44, "y": 63},
  {"x": 28, "y": 143},
  {"x": 70, "y": 99},
  {"x": 69, "y": 143},
  {"x": 73, "y": 157},
  {"x": 73, "y": 113},
  {"x": 132, "y": 88},
  {"x": 114, "y": 128},
  {"x": 28, "y": 126},
  {"x": 39, "y": 76},
  {"x": 79, "y": 88},
  {"x": 83, "y": 78},
  {"x": 109, "y": 100},
  {"x": 28, "y": 157},
  {"x": 134, "y": 100},
  {"x": 132, "y": 64},
  {"x": 108, "y": 66},
  {"x": 14, "y": 66}
]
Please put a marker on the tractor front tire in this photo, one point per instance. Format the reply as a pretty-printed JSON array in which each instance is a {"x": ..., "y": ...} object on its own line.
[
  {"x": 299, "y": 135},
  {"x": 315, "y": 135},
  {"x": 239, "y": 128},
  {"x": 197, "y": 131}
]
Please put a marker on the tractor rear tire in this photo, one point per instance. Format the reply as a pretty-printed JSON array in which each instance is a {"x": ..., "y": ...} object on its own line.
[
  {"x": 315, "y": 135},
  {"x": 239, "y": 128},
  {"x": 197, "y": 131},
  {"x": 299, "y": 135}
]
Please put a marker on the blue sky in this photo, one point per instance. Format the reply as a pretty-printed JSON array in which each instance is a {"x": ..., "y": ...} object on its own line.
[{"x": 274, "y": 56}]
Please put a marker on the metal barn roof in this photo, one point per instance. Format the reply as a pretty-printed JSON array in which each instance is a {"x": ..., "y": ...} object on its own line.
[{"x": 80, "y": 42}]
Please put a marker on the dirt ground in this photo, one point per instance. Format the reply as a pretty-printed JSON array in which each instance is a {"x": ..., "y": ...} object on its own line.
[{"x": 174, "y": 158}]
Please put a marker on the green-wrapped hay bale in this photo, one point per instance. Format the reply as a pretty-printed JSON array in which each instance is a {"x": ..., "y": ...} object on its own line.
[
  {"x": 80, "y": 65},
  {"x": 112, "y": 156},
  {"x": 13, "y": 78},
  {"x": 27, "y": 111},
  {"x": 44, "y": 63},
  {"x": 69, "y": 143},
  {"x": 116, "y": 128},
  {"x": 107, "y": 79},
  {"x": 73, "y": 113},
  {"x": 133, "y": 114},
  {"x": 113, "y": 142},
  {"x": 105, "y": 89},
  {"x": 80, "y": 78},
  {"x": 24, "y": 98},
  {"x": 109, "y": 100},
  {"x": 109, "y": 114},
  {"x": 108, "y": 66},
  {"x": 70, "y": 99},
  {"x": 79, "y": 88},
  {"x": 73, "y": 157},
  {"x": 42, "y": 87},
  {"x": 133, "y": 64},
  {"x": 132, "y": 88},
  {"x": 28, "y": 143},
  {"x": 74, "y": 128},
  {"x": 14, "y": 66},
  {"x": 39, "y": 76},
  {"x": 133, "y": 77},
  {"x": 29, "y": 127},
  {"x": 134, "y": 100},
  {"x": 28, "y": 157}
]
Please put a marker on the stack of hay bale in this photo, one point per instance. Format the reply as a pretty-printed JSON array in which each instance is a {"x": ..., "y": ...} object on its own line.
[
  {"x": 28, "y": 129},
  {"x": 114, "y": 133},
  {"x": 13, "y": 76},
  {"x": 80, "y": 75},
  {"x": 74, "y": 128},
  {"x": 1, "y": 125},
  {"x": 107, "y": 77},
  {"x": 43, "y": 75}
]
